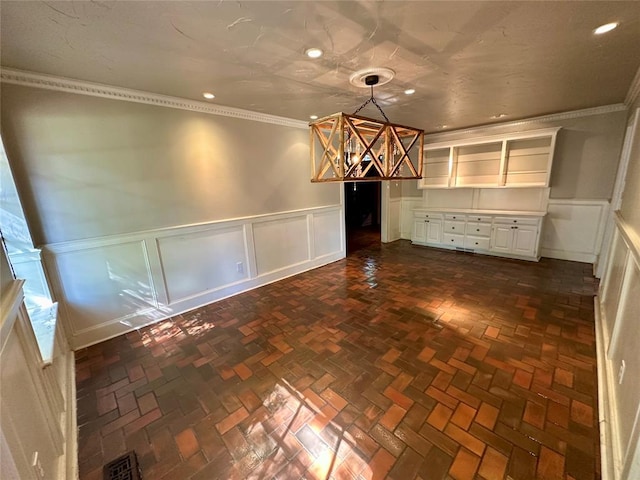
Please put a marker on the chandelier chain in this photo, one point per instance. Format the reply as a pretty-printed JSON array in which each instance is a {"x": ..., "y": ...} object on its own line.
[{"x": 372, "y": 100}]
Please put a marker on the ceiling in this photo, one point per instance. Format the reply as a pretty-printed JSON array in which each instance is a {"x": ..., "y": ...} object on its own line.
[{"x": 467, "y": 61}]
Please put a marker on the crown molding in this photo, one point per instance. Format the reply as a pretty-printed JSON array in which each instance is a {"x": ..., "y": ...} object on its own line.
[
  {"x": 488, "y": 129},
  {"x": 634, "y": 90},
  {"x": 68, "y": 85}
]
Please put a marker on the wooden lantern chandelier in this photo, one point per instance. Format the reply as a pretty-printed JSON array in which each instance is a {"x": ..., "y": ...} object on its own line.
[{"x": 351, "y": 148}]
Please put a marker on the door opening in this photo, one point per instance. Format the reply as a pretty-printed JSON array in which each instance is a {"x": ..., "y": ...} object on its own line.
[{"x": 362, "y": 215}]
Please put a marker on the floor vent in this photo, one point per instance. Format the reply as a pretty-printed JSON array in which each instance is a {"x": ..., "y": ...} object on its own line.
[{"x": 123, "y": 468}]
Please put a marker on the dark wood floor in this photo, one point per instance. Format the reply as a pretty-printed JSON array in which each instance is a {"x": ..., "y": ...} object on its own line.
[{"x": 398, "y": 362}]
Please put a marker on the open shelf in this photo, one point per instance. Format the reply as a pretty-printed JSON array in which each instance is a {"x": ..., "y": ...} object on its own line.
[{"x": 522, "y": 159}]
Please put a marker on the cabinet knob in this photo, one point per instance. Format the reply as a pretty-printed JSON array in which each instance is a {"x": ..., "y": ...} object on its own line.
[
  {"x": 515, "y": 228},
  {"x": 515, "y": 221},
  {"x": 453, "y": 228},
  {"x": 478, "y": 219},
  {"x": 477, "y": 229},
  {"x": 452, "y": 239},
  {"x": 454, "y": 218},
  {"x": 427, "y": 221},
  {"x": 476, "y": 243}
]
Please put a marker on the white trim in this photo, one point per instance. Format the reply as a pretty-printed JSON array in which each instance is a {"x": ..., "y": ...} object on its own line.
[
  {"x": 72, "y": 245},
  {"x": 618, "y": 190},
  {"x": 81, "y": 87},
  {"x": 437, "y": 136},
  {"x": 71, "y": 434},
  {"x": 165, "y": 305},
  {"x": 559, "y": 254},
  {"x": 630, "y": 238},
  {"x": 494, "y": 138},
  {"x": 625, "y": 155},
  {"x": 634, "y": 90},
  {"x": 606, "y": 415},
  {"x": 84, "y": 338}
]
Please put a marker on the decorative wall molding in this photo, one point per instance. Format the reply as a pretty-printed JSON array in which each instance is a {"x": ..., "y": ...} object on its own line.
[
  {"x": 111, "y": 285},
  {"x": 573, "y": 229},
  {"x": 68, "y": 85},
  {"x": 495, "y": 127},
  {"x": 606, "y": 407},
  {"x": 49, "y": 425},
  {"x": 617, "y": 307},
  {"x": 406, "y": 215},
  {"x": 634, "y": 90},
  {"x": 630, "y": 237}
]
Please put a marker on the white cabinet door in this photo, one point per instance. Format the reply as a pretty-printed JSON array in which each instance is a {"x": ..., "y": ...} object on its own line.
[
  {"x": 434, "y": 231},
  {"x": 419, "y": 230},
  {"x": 501, "y": 238},
  {"x": 524, "y": 240}
]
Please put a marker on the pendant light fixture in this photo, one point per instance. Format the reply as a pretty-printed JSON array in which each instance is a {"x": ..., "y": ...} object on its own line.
[{"x": 352, "y": 148}]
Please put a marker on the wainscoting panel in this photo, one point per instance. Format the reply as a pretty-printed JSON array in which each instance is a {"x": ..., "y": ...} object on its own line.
[
  {"x": 394, "y": 218},
  {"x": 618, "y": 337},
  {"x": 573, "y": 229},
  {"x": 325, "y": 226},
  {"x": 280, "y": 243},
  {"x": 612, "y": 283},
  {"x": 194, "y": 263},
  {"x": 406, "y": 215},
  {"x": 37, "y": 411},
  {"x": 109, "y": 286},
  {"x": 116, "y": 277}
]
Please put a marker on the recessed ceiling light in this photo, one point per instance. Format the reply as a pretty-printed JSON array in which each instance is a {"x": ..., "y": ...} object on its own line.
[
  {"x": 499, "y": 115},
  {"x": 410, "y": 91},
  {"x": 313, "y": 53},
  {"x": 607, "y": 27},
  {"x": 208, "y": 96},
  {"x": 441, "y": 127},
  {"x": 313, "y": 117}
]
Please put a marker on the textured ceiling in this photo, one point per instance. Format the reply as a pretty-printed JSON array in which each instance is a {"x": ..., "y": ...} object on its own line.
[{"x": 467, "y": 61}]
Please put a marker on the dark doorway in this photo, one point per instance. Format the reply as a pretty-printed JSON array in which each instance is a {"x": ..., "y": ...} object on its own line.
[{"x": 362, "y": 215}]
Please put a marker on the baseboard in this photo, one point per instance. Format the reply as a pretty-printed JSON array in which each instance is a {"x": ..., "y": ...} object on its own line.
[
  {"x": 606, "y": 413},
  {"x": 106, "y": 331},
  {"x": 71, "y": 437},
  {"x": 568, "y": 255}
]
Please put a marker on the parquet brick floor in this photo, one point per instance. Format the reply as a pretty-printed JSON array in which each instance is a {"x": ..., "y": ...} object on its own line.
[{"x": 398, "y": 362}]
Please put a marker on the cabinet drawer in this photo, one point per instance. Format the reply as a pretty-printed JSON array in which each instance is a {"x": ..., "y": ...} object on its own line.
[
  {"x": 455, "y": 216},
  {"x": 478, "y": 218},
  {"x": 478, "y": 229},
  {"x": 455, "y": 240},
  {"x": 454, "y": 227},
  {"x": 517, "y": 220},
  {"x": 476, "y": 243},
  {"x": 432, "y": 216}
]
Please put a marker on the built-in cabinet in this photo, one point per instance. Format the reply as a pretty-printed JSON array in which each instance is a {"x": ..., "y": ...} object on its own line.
[
  {"x": 428, "y": 229},
  {"x": 500, "y": 233},
  {"x": 520, "y": 159}
]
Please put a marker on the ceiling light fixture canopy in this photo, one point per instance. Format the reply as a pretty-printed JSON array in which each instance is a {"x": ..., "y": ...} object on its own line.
[{"x": 352, "y": 148}]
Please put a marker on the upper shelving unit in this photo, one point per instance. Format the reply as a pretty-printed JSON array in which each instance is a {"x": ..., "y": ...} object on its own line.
[{"x": 520, "y": 159}]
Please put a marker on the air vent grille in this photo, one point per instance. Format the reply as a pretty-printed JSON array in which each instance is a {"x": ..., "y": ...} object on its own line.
[{"x": 123, "y": 468}]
